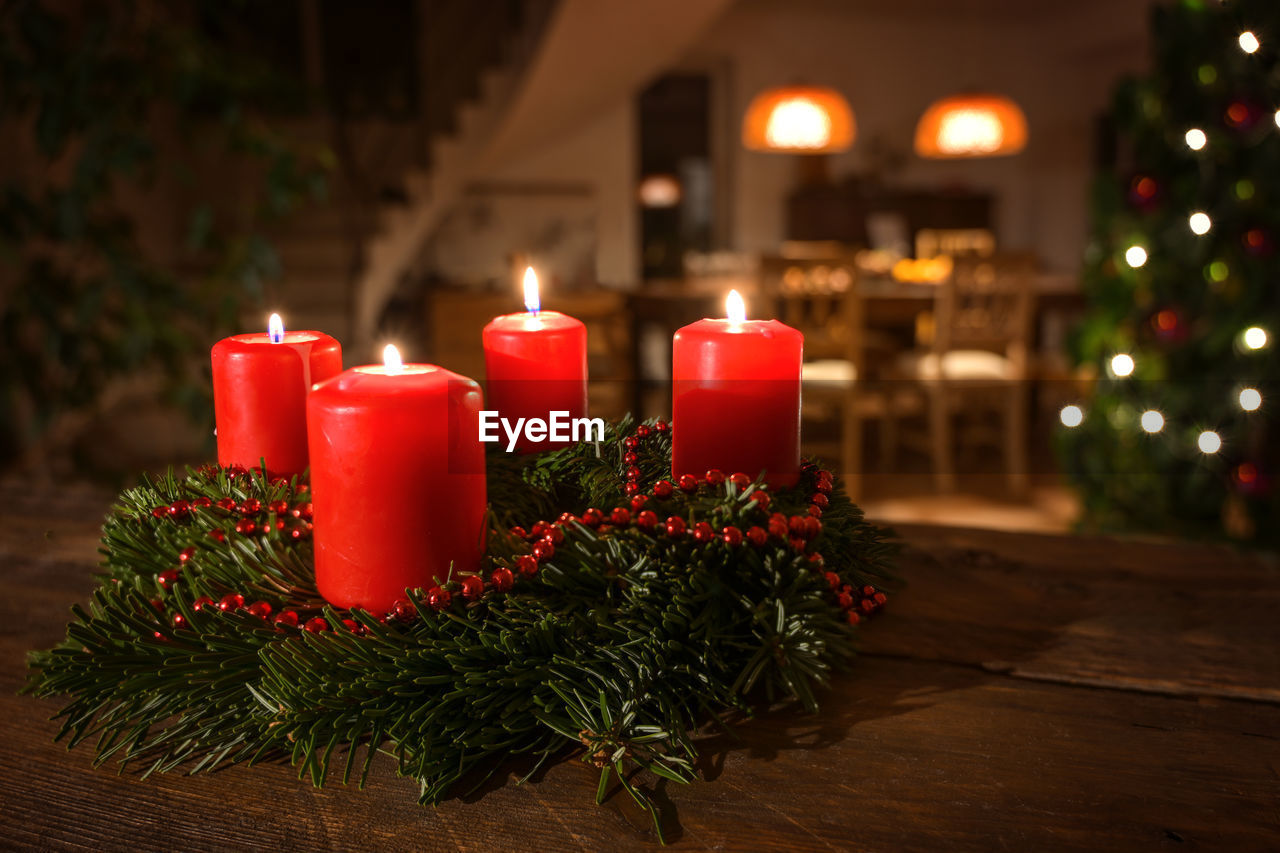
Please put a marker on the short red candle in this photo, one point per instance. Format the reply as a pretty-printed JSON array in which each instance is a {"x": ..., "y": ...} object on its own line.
[
  {"x": 397, "y": 482},
  {"x": 260, "y": 396},
  {"x": 736, "y": 399},
  {"x": 535, "y": 363}
]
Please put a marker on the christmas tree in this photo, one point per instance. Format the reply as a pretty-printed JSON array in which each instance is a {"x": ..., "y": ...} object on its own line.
[{"x": 1182, "y": 277}]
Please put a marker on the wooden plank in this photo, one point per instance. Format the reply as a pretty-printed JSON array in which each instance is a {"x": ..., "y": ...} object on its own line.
[{"x": 1184, "y": 619}]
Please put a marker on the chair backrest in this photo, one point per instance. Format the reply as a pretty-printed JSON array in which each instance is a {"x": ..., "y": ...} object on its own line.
[
  {"x": 820, "y": 298},
  {"x": 986, "y": 304}
]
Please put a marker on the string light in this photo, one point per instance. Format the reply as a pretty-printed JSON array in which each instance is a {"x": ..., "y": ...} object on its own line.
[
  {"x": 1255, "y": 337},
  {"x": 1135, "y": 256},
  {"x": 1071, "y": 416},
  {"x": 1200, "y": 222},
  {"x": 1152, "y": 421},
  {"x": 1209, "y": 442},
  {"x": 1248, "y": 42},
  {"x": 1196, "y": 139},
  {"x": 1121, "y": 364},
  {"x": 1250, "y": 399},
  {"x": 1277, "y": 118}
]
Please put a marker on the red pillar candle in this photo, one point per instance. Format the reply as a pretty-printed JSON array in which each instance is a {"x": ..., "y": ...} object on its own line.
[
  {"x": 397, "y": 481},
  {"x": 260, "y": 386},
  {"x": 736, "y": 397},
  {"x": 535, "y": 364}
]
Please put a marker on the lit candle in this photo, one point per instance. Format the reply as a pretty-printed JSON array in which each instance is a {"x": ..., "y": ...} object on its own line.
[
  {"x": 736, "y": 397},
  {"x": 397, "y": 481},
  {"x": 260, "y": 385},
  {"x": 535, "y": 364}
]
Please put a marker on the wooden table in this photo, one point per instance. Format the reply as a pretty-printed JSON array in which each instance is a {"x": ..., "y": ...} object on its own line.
[{"x": 1024, "y": 693}]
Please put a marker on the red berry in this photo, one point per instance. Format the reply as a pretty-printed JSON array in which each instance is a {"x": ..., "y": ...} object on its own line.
[
  {"x": 833, "y": 581},
  {"x": 630, "y": 442},
  {"x": 527, "y": 565},
  {"x": 815, "y": 511},
  {"x": 868, "y": 591},
  {"x": 201, "y": 603},
  {"x": 647, "y": 519},
  {"x": 853, "y": 617},
  {"x": 231, "y": 601},
  {"x": 179, "y": 509},
  {"x": 219, "y": 534},
  {"x": 186, "y": 554},
  {"x": 472, "y": 587},
  {"x": 702, "y": 532},
  {"x": 620, "y": 517},
  {"x": 633, "y": 473},
  {"x": 316, "y": 625},
  {"x": 631, "y": 489},
  {"x": 157, "y": 604},
  {"x": 502, "y": 579},
  {"x": 302, "y": 510},
  {"x": 638, "y": 502},
  {"x": 817, "y": 560},
  {"x": 538, "y": 530},
  {"x": 663, "y": 489},
  {"x": 642, "y": 431},
  {"x": 797, "y": 543},
  {"x": 715, "y": 477},
  {"x": 630, "y": 458},
  {"x": 543, "y": 550},
  {"x": 228, "y": 504},
  {"x": 554, "y": 535},
  {"x": 303, "y": 488},
  {"x": 234, "y": 471},
  {"x": 732, "y": 536},
  {"x": 675, "y": 527},
  {"x": 260, "y": 609},
  {"x": 880, "y": 598},
  {"x": 278, "y": 507},
  {"x": 404, "y": 611},
  {"x": 168, "y": 578},
  {"x": 867, "y": 605},
  {"x": 796, "y": 525},
  {"x": 352, "y": 625},
  {"x": 661, "y": 426},
  {"x": 244, "y": 525},
  {"x": 820, "y": 499},
  {"x": 778, "y": 525},
  {"x": 845, "y": 599},
  {"x": 439, "y": 598},
  {"x": 519, "y": 532},
  {"x": 740, "y": 480},
  {"x": 757, "y": 535},
  {"x": 179, "y": 621},
  {"x": 287, "y": 617},
  {"x": 824, "y": 486},
  {"x": 252, "y": 506},
  {"x": 687, "y": 483},
  {"x": 762, "y": 499},
  {"x": 592, "y": 518},
  {"x": 160, "y": 512},
  {"x": 201, "y": 503},
  {"x": 812, "y": 527}
]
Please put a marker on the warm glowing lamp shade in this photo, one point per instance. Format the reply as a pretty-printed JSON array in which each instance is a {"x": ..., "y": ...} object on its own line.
[
  {"x": 971, "y": 126},
  {"x": 799, "y": 120}
]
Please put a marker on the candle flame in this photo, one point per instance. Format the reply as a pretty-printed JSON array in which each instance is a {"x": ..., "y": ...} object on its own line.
[
  {"x": 735, "y": 308},
  {"x": 531, "y": 301},
  {"x": 275, "y": 329},
  {"x": 391, "y": 359}
]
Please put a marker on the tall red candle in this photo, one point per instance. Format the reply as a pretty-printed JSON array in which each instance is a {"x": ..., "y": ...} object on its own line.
[
  {"x": 260, "y": 386},
  {"x": 397, "y": 481},
  {"x": 736, "y": 397},
  {"x": 535, "y": 364}
]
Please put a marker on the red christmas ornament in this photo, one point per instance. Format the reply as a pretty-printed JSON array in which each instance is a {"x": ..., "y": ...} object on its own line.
[
  {"x": 201, "y": 503},
  {"x": 620, "y": 517},
  {"x": 647, "y": 520},
  {"x": 630, "y": 458},
  {"x": 353, "y": 626},
  {"x": 554, "y": 535},
  {"x": 592, "y": 518},
  {"x": 439, "y": 598},
  {"x": 261, "y": 609},
  {"x": 219, "y": 534},
  {"x": 228, "y": 504},
  {"x": 661, "y": 426},
  {"x": 302, "y": 510},
  {"x": 316, "y": 625},
  {"x": 796, "y": 524},
  {"x": 633, "y": 473},
  {"x": 740, "y": 480},
  {"x": 732, "y": 536},
  {"x": 761, "y": 499},
  {"x": 638, "y": 502},
  {"x": 663, "y": 489},
  {"x": 167, "y": 578},
  {"x": 287, "y": 617},
  {"x": 642, "y": 431},
  {"x": 404, "y": 611},
  {"x": 675, "y": 527},
  {"x": 630, "y": 442},
  {"x": 687, "y": 483},
  {"x": 819, "y": 499},
  {"x": 519, "y": 532},
  {"x": 702, "y": 532},
  {"x": 715, "y": 477},
  {"x": 814, "y": 511},
  {"x": 278, "y": 507},
  {"x": 472, "y": 587},
  {"x": 757, "y": 535},
  {"x": 502, "y": 579},
  {"x": 778, "y": 525},
  {"x": 527, "y": 565},
  {"x": 179, "y": 509},
  {"x": 631, "y": 489},
  {"x": 252, "y": 506},
  {"x": 538, "y": 530},
  {"x": 231, "y": 601},
  {"x": 160, "y": 512},
  {"x": 244, "y": 525},
  {"x": 543, "y": 550}
]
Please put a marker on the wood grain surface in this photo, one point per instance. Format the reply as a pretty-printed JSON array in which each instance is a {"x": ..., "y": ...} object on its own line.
[{"x": 1022, "y": 693}]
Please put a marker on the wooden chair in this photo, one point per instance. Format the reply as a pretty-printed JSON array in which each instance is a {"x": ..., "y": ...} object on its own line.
[
  {"x": 820, "y": 298},
  {"x": 979, "y": 354}
]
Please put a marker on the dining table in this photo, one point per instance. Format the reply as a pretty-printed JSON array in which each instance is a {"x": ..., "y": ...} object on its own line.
[{"x": 1020, "y": 692}]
